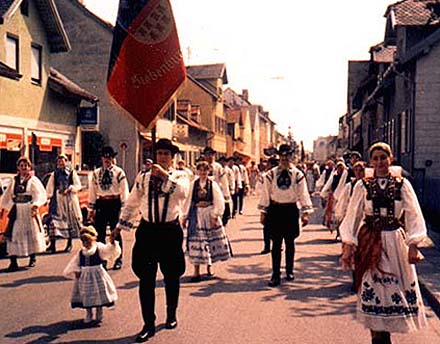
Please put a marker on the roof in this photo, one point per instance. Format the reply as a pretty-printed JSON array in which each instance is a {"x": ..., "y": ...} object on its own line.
[
  {"x": 191, "y": 123},
  {"x": 234, "y": 99},
  {"x": 56, "y": 35},
  {"x": 8, "y": 72},
  {"x": 90, "y": 14},
  {"x": 62, "y": 85},
  {"x": 203, "y": 86},
  {"x": 421, "y": 48},
  {"x": 415, "y": 12},
  {"x": 382, "y": 54},
  {"x": 209, "y": 71}
]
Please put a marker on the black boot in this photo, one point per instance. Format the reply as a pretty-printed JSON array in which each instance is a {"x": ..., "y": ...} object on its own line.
[
  {"x": 13, "y": 266},
  {"x": 32, "y": 260},
  {"x": 52, "y": 247},
  {"x": 68, "y": 247}
]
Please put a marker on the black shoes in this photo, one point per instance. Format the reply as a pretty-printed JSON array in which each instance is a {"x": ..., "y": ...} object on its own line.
[
  {"x": 12, "y": 267},
  {"x": 265, "y": 251},
  {"x": 195, "y": 279},
  {"x": 275, "y": 281},
  {"x": 146, "y": 333},
  {"x": 32, "y": 261},
  {"x": 171, "y": 323},
  {"x": 118, "y": 265},
  {"x": 68, "y": 247},
  {"x": 290, "y": 276}
]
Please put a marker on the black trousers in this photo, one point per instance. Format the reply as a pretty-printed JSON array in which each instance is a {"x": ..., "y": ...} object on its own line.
[
  {"x": 283, "y": 225},
  {"x": 240, "y": 199},
  {"x": 107, "y": 214},
  {"x": 234, "y": 204},
  {"x": 226, "y": 214},
  {"x": 266, "y": 237},
  {"x": 158, "y": 245}
]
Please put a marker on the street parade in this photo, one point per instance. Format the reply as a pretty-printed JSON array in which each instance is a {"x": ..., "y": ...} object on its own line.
[{"x": 144, "y": 199}]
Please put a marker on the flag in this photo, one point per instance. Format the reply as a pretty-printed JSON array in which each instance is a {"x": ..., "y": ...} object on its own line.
[{"x": 146, "y": 65}]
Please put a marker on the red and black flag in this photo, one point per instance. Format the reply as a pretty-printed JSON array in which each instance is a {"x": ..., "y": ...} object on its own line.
[{"x": 146, "y": 65}]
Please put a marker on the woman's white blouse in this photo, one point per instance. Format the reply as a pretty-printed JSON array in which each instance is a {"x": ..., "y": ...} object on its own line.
[{"x": 359, "y": 207}]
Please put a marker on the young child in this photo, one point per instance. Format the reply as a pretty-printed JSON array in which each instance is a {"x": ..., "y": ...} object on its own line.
[{"x": 93, "y": 286}]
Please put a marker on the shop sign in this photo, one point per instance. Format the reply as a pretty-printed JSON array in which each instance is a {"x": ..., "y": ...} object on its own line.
[
  {"x": 11, "y": 142},
  {"x": 180, "y": 131},
  {"x": 88, "y": 118}
]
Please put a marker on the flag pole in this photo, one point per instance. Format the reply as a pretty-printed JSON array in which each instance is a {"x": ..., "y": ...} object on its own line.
[{"x": 153, "y": 141}]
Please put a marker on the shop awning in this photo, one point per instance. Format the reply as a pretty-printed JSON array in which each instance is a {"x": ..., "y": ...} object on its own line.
[{"x": 191, "y": 123}]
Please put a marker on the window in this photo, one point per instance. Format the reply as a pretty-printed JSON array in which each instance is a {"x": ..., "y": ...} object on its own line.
[
  {"x": 12, "y": 52},
  {"x": 36, "y": 64}
]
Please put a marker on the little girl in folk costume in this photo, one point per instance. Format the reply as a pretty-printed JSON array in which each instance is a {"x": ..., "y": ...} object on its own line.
[
  {"x": 206, "y": 239},
  {"x": 93, "y": 286}
]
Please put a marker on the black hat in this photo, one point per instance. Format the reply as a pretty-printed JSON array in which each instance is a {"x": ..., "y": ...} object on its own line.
[
  {"x": 208, "y": 150},
  {"x": 356, "y": 154},
  {"x": 222, "y": 158},
  {"x": 108, "y": 152},
  {"x": 168, "y": 145},
  {"x": 233, "y": 158},
  {"x": 284, "y": 149}
]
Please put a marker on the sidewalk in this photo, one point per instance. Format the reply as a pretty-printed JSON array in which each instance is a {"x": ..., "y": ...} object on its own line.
[{"x": 429, "y": 270}]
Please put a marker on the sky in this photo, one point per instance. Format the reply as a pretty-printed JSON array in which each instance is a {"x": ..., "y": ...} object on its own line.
[{"x": 292, "y": 56}]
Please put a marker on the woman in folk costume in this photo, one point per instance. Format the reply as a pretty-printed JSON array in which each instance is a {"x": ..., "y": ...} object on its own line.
[
  {"x": 93, "y": 287},
  {"x": 64, "y": 209},
  {"x": 342, "y": 204},
  {"x": 206, "y": 237},
  {"x": 24, "y": 233},
  {"x": 331, "y": 192},
  {"x": 312, "y": 176},
  {"x": 380, "y": 233}
]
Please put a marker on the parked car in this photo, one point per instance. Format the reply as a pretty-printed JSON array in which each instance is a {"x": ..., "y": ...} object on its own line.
[{"x": 83, "y": 196}]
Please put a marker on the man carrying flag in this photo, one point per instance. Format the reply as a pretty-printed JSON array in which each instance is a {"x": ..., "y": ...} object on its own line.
[
  {"x": 146, "y": 65},
  {"x": 145, "y": 71}
]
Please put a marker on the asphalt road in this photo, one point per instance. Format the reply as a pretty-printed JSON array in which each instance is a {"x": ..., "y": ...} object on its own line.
[{"x": 235, "y": 307}]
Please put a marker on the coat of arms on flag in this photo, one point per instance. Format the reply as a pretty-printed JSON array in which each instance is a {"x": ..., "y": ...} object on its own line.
[{"x": 146, "y": 65}]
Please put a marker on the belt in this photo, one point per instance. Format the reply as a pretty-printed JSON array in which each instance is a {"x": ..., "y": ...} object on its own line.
[
  {"x": 382, "y": 223},
  {"x": 282, "y": 204},
  {"x": 22, "y": 198},
  {"x": 203, "y": 204},
  {"x": 174, "y": 222},
  {"x": 105, "y": 198}
]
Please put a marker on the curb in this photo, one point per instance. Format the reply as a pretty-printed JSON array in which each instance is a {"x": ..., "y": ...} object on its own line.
[{"x": 432, "y": 299}]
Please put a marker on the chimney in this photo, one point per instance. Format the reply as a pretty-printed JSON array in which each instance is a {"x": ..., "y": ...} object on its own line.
[{"x": 245, "y": 94}]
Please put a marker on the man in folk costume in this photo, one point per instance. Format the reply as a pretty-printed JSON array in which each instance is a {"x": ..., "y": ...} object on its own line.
[
  {"x": 238, "y": 182},
  {"x": 243, "y": 188},
  {"x": 284, "y": 187},
  {"x": 219, "y": 175},
  {"x": 64, "y": 209},
  {"x": 159, "y": 196},
  {"x": 231, "y": 183},
  {"x": 107, "y": 195}
]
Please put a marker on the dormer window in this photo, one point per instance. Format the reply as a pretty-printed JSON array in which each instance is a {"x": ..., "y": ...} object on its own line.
[{"x": 24, "y": 8}]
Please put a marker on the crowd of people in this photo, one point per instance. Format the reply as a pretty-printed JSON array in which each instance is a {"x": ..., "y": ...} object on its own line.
[{"x": 371, "y": 207}]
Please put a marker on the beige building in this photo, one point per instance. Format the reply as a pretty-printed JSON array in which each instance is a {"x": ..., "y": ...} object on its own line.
[
  {"x": 38, "y": 105},
  {"x": 204, "y": 87}
]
